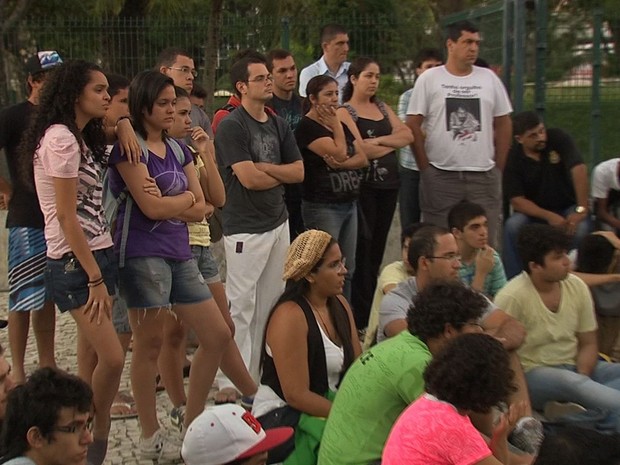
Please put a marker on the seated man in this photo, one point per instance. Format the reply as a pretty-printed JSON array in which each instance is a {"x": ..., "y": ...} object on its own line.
[
  {"x": 546, "y": 181},
  {"x": 606, "y": 194},
  {"x": 381, "y": 383},
  {"x": 560, "y": 354},
  {"x": 47, "y": 420},
  {"x": 393, "y": 274},
  {"x": 481, "y": 267}
]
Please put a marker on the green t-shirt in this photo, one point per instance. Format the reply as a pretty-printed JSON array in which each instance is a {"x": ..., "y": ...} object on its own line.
[{"x": 374, "y": 392}]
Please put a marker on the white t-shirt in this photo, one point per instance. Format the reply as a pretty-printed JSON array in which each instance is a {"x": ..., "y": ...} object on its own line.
[
  {"x": 458, "y": 116},
  {"x": 58, "y": 156},
  {"x": 605, "y": 178}
]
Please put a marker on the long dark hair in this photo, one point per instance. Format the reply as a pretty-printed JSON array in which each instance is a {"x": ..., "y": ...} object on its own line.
[
  {"x": 143, "y": 92},
  {"x": 62, "y": 88},
  {"x": 316, "y": 85},
  {"x": 355, "y": 69},
  {"x": 296, "y": 290}
]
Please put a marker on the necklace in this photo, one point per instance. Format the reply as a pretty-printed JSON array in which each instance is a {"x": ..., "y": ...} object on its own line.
[{"x": 323, "y": 324}]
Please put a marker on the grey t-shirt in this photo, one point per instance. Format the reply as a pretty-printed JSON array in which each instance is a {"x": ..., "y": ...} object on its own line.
[
  {"x": 240, "y": 138},
  {"x": 396, "y": 303},
  {"x": 199, "y": 118}
]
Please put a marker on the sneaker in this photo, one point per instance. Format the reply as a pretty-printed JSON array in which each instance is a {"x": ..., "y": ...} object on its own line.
[
  {"x": 160, "y": 447},
  {"x": 527, "y": 435},
  {"x": 177, "y": 417},
  {"x": 555, "y": 410}
]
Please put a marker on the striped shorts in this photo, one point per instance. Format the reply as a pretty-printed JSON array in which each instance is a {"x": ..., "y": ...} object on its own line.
[{"x": 27, "y": 260}]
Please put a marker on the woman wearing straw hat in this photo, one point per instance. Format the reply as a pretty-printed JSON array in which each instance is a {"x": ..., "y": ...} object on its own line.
[{"x": 310, "y": 339}]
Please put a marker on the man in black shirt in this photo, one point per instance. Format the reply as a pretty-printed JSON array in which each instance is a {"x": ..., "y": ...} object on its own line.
[
  {"x": 546, "y": 181},
  {"x": 27, "y": 250}
]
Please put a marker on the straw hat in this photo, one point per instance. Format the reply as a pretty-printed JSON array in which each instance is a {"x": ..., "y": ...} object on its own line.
[{"x": 304, "y": 253}]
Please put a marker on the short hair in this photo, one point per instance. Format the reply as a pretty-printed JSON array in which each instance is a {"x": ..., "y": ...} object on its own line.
[
  {"x": 423, "y": 244},
  {"x": 442, "y": 303},
  {"x": 116, "y": 83},
  {"x": 239, "y": 71},
  {"x": 595, "y": 254},
  {"x": 330, "y": 31},
  {"x": 537, "y": 240},
  {"x": 455, "y": 30},
  {"x": 472, "y": 372},
  {"x": 572, "y": 445},
  {"x": 356, "y": 68},
  {"x": 276, "y": 54},
  {"x": 37, "y": 403},
  {"x": 180, "y": 92},
  {"x": 198, "y": 91},
  {"x": 427, "y": 54},
  {"x": 524, "y": 121},
  {"x": 143, "y": 92},
  {"x": 463, "y": 212},
  {"x": 410, "y": 230},
  {"x": 169, "y": 55}
]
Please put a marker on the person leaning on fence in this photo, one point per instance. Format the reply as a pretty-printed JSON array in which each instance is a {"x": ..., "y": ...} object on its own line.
[
  {"x": 68, "y": 143},
  {"x": 157, "y": 269}
]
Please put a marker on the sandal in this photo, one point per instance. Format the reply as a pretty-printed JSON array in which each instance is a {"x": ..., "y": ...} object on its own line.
[
  {"x": 227, "y": 395},
  {"x": 122, "y": 410}
]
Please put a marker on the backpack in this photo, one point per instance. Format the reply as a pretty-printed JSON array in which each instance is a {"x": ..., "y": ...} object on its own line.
[{"x": 111, "y": 203}]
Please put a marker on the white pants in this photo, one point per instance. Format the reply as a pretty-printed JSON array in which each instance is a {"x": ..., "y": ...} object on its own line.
[{"x": 255, "y": 264}]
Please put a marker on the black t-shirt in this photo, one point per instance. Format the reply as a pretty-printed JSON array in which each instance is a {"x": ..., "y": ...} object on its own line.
[
  {"x": 24, "y": 209},
  {"x": 548, "y": 182},
  {"x": 239, "y": 137},
  {"x": 290, "y": 110},
  {"x": 323, "y": 184}
]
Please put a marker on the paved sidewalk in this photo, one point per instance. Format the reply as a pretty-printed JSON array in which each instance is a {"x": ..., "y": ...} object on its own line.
[{"x": 123, "y": 445}]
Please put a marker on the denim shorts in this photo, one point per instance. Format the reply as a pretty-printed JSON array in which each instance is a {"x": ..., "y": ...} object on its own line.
[
  {"x": 206, "y": 264},
  {"x": 154, "y": 282},
  {"x": 67, "y": 282},
  {"x": 120, "y": 317}
]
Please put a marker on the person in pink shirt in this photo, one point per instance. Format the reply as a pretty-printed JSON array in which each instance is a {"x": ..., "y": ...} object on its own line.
[{"x": 471, "y": 374}]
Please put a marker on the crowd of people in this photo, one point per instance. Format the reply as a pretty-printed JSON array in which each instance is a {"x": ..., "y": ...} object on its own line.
[{"x": 112, "y": 186}]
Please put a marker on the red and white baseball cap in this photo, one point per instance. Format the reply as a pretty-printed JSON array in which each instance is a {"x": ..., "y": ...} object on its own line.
[{"x": 228, "y": 432}]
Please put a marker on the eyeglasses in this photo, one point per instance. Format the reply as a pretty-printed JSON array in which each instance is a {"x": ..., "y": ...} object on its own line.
[
  {"x": 340, "y": 265},
  {"x": 450, "y": 257},
  {"x": 185, "y": 70},
  {"x": 77, "y": 427},
  {"x": 262, "y": 78}
]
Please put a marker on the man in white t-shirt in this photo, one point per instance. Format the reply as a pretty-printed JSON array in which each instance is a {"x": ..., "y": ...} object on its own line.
[
  {"x": 606, "y": 194},
  {"x": 333, "y": 62},
  {"x": 460, "y": 117}
]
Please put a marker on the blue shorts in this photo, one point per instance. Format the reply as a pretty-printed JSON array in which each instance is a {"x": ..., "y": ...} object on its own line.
[
  {"x": 154, "y": 282},
  {"x": 206, "y": 264},
  {"x": 120, "y": 317},
  {"x": 67, "y": 282},
  {"x": 27, "y": 261}
]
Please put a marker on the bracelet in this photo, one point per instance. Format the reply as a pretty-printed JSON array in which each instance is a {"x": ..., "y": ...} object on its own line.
[
  {"x": 193, "y": 197},
  {"x": 95, "y": 283},
  {"x": 95, "y": 280}
]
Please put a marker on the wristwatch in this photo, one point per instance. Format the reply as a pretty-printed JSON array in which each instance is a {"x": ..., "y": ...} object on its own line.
[{"x": 580, "y": 209}]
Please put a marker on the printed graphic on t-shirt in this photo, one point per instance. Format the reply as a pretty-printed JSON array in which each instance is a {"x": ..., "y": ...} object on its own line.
[
  {"x": 170, "y": 183},
  {"x": 343, "y": 181},
  {"x": 463, "y": 118},
  {"x": 265, "y": 146}
]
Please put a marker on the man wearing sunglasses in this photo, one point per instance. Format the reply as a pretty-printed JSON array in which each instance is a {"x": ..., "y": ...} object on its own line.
[{"x": 47, "y": 420}]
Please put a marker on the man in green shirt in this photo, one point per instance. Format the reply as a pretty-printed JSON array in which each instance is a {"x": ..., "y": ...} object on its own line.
[{"x": 388, "y": 377}]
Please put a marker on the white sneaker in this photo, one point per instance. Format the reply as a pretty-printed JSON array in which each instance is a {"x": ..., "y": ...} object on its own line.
[{"x": 161, "y": 446}]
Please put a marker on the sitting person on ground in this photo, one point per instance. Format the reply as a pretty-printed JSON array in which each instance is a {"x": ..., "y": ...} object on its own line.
[
  {"x": 546, "y": 181},
  {"x": 598, "y": 254},
  {"x": 310, "y": 340},
  {"x": 393, "y": 274},
  {"x": 481, "y": 266},
  {"x": 572, "y": 445},
  {"x": 560, "y": 353},
  {"x": 229, "y": 435},
  {"x": 471, "y": 374},
  {"x": 606, "y": 194},
  {"x": 388, "y": 377},
  {"x": 48, "y": 420}
]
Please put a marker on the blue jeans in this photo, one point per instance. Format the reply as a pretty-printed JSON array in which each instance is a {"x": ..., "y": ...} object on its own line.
[
  {"x": 340, "y": 221},
  {"x": 562, "y": 383},
  {"x": 409, "y": 197},
  {"x": 512, "y": 226}
]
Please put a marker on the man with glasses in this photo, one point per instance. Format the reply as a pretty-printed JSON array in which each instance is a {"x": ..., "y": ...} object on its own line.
[
  {"x": 257, "y": 155},
  {"x": 47, "y": 420},
  {"x": 179, "y": 66}
]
